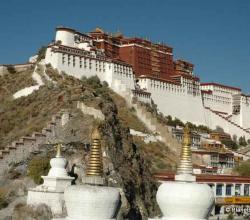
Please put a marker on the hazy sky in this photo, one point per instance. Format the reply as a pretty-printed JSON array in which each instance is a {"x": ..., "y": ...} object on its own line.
[{"x": 212, "y": 34}]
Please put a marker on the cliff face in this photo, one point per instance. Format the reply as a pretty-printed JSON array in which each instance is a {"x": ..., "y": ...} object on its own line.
[{"x": 131, "y": 168}]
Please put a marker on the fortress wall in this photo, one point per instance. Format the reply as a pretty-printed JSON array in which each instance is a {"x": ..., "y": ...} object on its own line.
[
  {"x": 185, "y": 107},
  {"x": 236, "y": 119},
  {"x": 245, "y": 115},
  {"x": 212, "y": 120},
  {"x": 3, "y": 69},
  {"x": 172, "y": 100},
  {"x": 217, "y": 105},
  {"x": 109, "y": 75},
  {"x": 176, "y": 102},
  {"x": 55, "y": 59}
]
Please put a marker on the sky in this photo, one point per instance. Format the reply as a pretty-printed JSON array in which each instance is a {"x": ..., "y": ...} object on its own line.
[{"x": 214, "y": 35}]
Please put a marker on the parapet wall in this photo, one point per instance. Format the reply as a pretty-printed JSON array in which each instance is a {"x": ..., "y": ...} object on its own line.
[{"x": 17, "y": 68}]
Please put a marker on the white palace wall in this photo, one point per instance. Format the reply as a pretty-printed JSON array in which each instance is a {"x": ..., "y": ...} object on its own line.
[
  {"x": 175, "y": 101},
  {"x": 66, "y": 37},
  {"x": 218, "y": 105},
  {"x": 213, "y": 120},
  {"x": 245, "y": 114},
  {"x": 118, "y": 76}
]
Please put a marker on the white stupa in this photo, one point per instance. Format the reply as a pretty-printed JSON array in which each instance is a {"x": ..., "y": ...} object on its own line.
[
  {"x": 92, "y": 200},
  {"x": 51, "y": 192},
  {"x": 184, "y": 199}
]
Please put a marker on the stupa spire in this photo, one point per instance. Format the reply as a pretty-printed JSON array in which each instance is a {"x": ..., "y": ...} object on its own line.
[
  {"x": 94, "y": 172},
  {"x": 58, "y": 150},
  {"x": 185, "y": 165}
]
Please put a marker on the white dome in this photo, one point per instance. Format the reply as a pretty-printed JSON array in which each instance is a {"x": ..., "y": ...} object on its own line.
[
  {"x": 58, "y": 165},
  {"x": 185, "y": 201},
  {"x": 85, "y": 202}
]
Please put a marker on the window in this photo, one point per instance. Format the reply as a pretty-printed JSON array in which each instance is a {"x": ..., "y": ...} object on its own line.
[
  {"x": 228, "y": 190},
  {"x": 219, "y": 190},
  {"x": 237, "y": 189},
  {"x": 246, "y": 190}
]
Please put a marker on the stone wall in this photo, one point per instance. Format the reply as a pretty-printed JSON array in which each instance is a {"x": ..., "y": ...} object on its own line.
[
  {"x": 214, "y": 119},
  {"x": 19, "y": 150},
  {"x": 17, "y": 67},
  {"x": 97, "y": 114}
]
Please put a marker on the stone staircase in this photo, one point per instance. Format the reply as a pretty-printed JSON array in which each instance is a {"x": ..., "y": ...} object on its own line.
[
  {"x": 228, "y": 120},
  {"x": 156, "y": 127},
  {"x": 20, "y": 150}
]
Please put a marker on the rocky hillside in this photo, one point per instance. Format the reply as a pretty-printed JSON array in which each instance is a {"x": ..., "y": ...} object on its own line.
[{"x": 129, "y": 161}]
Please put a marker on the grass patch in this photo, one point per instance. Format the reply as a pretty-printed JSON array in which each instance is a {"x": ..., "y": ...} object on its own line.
[
  {"x": 158, "y": 154},
  {"x": 127, "y": 115}
]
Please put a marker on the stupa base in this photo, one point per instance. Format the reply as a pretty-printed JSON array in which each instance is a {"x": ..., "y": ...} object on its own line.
[
  {"x": 55, "y": 200},
  {"x": 87, "y": 218},
  {"x": 175, "y": 218}
]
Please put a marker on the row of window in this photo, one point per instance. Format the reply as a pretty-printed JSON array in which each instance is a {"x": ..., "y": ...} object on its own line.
[
  {"x": 216, "y": 100},
  {"x": 229, "y": 189},
  {"x": 99, "y": 65},
  {"x": 85, "y": 63}
]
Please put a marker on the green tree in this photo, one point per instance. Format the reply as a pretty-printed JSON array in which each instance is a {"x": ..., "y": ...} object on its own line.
[
  {"x": 242, "y": 141},
  {"x": 230, "y": 143},
  {"x": 243, "y": 168},
  {"x": 235, "y": 138},
  {"x": 41, "y": 53}
]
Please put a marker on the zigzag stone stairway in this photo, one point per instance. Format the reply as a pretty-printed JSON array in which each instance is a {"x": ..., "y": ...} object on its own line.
[
  {"x": 231, "y": 124},
  {"x": 149, "y": 119},
  {"x": 153, "y": 125},
  {"x": 20, "y": 150}
]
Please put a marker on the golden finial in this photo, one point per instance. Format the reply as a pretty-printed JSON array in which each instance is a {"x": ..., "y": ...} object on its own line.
[
  {"x": 96, "y": 134},
  {"x": 95, "y": 164},
  {"x": 186, "y": 136},
  {"x": 58, "y": 150},
  {"x": 185, "y": 165}
]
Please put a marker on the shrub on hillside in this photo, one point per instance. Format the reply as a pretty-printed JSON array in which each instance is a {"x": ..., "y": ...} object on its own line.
[
  {"x": 11, "y": 69},
  {"x": 94, "y": 82},
  {"x": 3, "y": 198},
  {"x": 41, "y": 53},
  {"x": 37, "y": 167}
]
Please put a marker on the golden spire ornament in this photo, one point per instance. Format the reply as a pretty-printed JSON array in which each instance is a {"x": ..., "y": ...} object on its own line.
[
  {"x": 58, "y": 150},
  {"x": 185, "y": 165},
  {"x": 95, "y": 163}
]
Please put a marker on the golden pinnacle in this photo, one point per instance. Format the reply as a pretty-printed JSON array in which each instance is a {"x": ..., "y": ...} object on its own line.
[
  {"x": 95, "y": 164},
  {"x": 186, "y": 136},
  {"x": 185, "y": 165},
  {"x": 58, "y": 150},
  {"x": 96, "y": 134}
]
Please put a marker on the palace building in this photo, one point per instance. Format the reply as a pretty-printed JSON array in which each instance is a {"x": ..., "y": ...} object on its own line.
[{"x": 141, "y": 69}]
